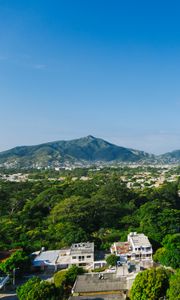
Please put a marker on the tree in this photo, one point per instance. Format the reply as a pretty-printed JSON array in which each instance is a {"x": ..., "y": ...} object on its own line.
[
  {"x": 18, "y": 260},
  {"x": 169, "y": 255},
  {"x": 60, "y": 278},
  {"x": 157, "y": 219},
  {"x": 173, "y": 292},
  {"x": 37, "y": 289},
  {"x": 72, "y": 274},
  {"x": 150, "y": 285},
  {"x": 67, "y": 278},
  {"x": 112, "y": 260}
]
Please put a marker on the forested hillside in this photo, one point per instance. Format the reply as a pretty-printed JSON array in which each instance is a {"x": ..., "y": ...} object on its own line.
[
  {"x": 55, "y": 214},
  {"x": 85, "y": 150}
]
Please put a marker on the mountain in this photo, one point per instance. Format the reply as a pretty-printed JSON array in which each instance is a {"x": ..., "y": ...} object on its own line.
[
  {"x": 85, "y": 150},
  {"x": 171, "y": 157}
]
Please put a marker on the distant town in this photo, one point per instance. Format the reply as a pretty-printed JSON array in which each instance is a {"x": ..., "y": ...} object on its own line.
[{"x": 133, "y": 175}]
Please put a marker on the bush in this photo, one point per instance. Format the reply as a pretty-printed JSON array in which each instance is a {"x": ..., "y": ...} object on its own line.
[
  {"x": 60, "y": 278},
  {"x": 101, "y": 269},
  {"x": 112, "y": 260},
  {"x": 173, "y": 292},
  {"x": 72, "y": 274},
  {"x": 65, "y": 279},
  {"x": 37, "y": 289}
]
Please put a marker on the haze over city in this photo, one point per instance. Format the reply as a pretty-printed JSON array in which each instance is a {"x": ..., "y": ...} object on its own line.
[{"x": 73, "y": 68}]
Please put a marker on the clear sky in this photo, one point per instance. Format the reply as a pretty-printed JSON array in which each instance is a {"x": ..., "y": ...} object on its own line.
[{"x": 70, "y": 68}]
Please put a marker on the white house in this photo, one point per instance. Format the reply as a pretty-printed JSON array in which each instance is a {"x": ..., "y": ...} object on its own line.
[
  {"x": 81, "y": 254},
  {"x": 141, "y": 247},
  {"x": 137, "y": 248}
]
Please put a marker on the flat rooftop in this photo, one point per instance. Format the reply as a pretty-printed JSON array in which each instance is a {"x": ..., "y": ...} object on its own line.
[
  {"x": 49, "y": 256},
  {"x": 139, "y": 239},
  {"x": 89, "y": 283},
  {"x": 64, "y": 259},
  {"x": 82, "y": 248},
  {"x": 117, "y": 296}
]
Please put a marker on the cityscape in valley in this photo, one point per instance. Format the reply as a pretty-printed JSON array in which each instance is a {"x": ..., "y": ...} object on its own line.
[{"x": 89, "y": 150}]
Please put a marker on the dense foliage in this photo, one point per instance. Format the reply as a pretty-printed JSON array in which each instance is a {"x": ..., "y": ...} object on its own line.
[
  {"x": 17, "y": 261},
  {"x": 65, "y": 279},
  {"x": 173, "y": 293},
  {"x": 55, "y": 213},
  {"x": 169, "y": 255},
  {"x": 37, "y": 289},
  {"x": 150, "y": 285}
]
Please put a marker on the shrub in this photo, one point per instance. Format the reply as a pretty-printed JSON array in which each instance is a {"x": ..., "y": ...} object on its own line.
[{"x": 37, "y": 289}]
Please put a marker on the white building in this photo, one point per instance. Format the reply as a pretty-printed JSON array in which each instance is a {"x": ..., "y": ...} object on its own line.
[
  {"x": 141, "y": 247},
  {"x": 81, "y": 254},
  {"x": 137, "y": 248}
]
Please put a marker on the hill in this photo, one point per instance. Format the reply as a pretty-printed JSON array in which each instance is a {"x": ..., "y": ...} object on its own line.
[
  {"x": 85, "y": 150},
  {"x": 171, "y": 157}
]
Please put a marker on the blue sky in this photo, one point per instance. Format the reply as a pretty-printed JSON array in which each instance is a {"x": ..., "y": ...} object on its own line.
[{"x": 106, "y": 68}]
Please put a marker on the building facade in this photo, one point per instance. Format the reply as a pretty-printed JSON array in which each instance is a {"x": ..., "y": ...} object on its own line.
[
  {"x": 137, "y": 248},
  {"x": 81, "y": 254}
]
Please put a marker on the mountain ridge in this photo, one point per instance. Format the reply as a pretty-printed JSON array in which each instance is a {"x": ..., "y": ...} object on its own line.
[{"x": 88, "y": 149}]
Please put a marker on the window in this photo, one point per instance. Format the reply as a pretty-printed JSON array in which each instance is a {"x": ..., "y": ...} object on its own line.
[
  {"x": 81, "y": 258},
  {"x": 73, "y": 257},
  {"x": 89, "y": 256},
  {"x": 148, "y": 249}
]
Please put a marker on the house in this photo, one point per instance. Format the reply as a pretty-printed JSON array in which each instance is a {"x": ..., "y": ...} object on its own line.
[
  {"x": 121, "y": 249},
  {"x": 137, "y": 248},
  {"x": 99, "y": 286},
  {"x": 81, "y": 254},
  {"x": 141, "y": 247},
  {"x": 106, "y": 285},
  {"x": 45, "y": 259}
]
